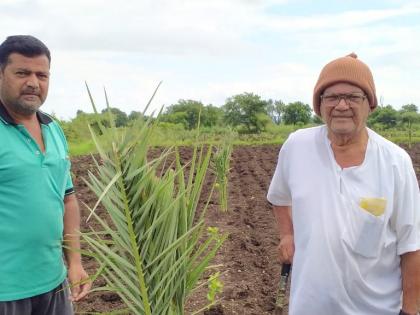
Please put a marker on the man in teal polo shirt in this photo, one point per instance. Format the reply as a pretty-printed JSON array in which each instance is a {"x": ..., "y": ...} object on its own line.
[{"x": 38, "y": 207}]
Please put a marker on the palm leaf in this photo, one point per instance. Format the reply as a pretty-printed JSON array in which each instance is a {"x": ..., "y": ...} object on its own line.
[{"x": 153, "y": 260}]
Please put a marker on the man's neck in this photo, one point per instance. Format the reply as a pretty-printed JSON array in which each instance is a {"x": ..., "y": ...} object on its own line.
[
  {"x": 349, "y": 141},
  {"x": 349, "y": 150}
]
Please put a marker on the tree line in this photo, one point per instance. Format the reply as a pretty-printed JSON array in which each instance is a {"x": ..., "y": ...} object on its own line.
[{"x": 246, "y": 113}]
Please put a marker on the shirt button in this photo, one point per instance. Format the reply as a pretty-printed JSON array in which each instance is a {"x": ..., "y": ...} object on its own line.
[
  {"x": 29, "y": 139},
  {"x": 37, "y": 152}
]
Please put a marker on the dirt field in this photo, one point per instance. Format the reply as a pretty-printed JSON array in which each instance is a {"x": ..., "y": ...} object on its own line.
[{"x": 248, "y": 258}]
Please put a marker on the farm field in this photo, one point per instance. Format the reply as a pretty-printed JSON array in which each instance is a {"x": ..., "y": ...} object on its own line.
[{"x": 247, "y": 260}]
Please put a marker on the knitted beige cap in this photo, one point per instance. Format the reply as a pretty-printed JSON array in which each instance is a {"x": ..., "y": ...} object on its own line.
[{"x": 345, "y": 69}]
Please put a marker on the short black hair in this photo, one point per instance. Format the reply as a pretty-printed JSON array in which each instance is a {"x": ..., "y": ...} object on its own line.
[{"x": 26, "y": 45}]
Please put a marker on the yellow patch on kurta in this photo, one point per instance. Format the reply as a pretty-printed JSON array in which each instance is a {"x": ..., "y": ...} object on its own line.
[{"x": 375, "y": 206}]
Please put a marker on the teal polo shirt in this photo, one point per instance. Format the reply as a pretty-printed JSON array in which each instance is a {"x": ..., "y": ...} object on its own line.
[{"x": 33, "y": 185}]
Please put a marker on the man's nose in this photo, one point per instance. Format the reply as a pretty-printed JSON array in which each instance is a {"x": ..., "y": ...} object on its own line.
[
  {"x": 342, "y": 104},
  {"x": 32, "y": 81}
]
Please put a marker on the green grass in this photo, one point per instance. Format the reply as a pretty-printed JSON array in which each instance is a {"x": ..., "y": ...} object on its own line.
[
  {"x": 81, "y": 148},
  {"x": 274, "y": 135}
]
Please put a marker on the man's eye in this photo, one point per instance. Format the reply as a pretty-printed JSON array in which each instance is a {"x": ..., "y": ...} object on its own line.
[
  {"x": 355, "y": 98},
  {"x": 331, "y": 98}
]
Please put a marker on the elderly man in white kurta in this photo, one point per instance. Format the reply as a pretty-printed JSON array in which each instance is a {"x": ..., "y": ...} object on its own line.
[{"x": 347, "y": 206}]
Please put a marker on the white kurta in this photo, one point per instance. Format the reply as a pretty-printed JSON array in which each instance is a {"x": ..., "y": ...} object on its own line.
[{"x": 346, "y": 260}]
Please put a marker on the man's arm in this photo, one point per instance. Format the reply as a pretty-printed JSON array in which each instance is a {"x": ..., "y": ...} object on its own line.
[
  {"x": 283, "y": 216},
  {"x": 76, "y": 273},
  {"x": 410, "y": 271}
]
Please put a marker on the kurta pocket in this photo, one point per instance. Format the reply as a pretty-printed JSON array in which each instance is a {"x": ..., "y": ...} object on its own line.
[{"x": 364, "y": 232}]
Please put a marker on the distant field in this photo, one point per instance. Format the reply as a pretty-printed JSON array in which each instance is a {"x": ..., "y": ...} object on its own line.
[{"x": 277, "y": 135}]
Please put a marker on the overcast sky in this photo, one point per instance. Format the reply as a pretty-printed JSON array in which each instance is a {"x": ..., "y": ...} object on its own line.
[{"x": 209, "y": 50}]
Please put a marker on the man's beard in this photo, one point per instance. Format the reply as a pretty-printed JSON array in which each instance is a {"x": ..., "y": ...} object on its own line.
[
  {"x": 24, "y": 109},
  {"x": 27, "y": 107}
]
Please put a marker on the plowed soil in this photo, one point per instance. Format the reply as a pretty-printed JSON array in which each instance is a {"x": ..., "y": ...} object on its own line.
[{"x": 248, "y": 261}]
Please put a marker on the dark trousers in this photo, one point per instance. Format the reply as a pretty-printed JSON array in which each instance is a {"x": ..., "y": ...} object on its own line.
[{"x": 54, "y": 302}]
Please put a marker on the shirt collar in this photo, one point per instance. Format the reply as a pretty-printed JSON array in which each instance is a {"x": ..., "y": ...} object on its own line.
[{"x": 5, "y": 116}]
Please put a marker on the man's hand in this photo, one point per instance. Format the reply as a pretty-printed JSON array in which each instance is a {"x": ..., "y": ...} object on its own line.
[
  {"x": 286, "y": 249},
  {"x": 80, "y": 283},
  {"x": 410, "y": 264}
]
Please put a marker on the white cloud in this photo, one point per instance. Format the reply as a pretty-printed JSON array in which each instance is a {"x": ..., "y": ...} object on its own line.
[
  {"x": 144, "y": 26},
  {"x": 210, "y": 50},
  {"x": 334, "y": 21}
]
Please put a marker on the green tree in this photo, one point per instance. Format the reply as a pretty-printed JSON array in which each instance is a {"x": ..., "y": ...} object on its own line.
[
  {"x": 211, "y": 116},
  {"x": 297, "y": 112},
  {"x": 247, "y": 110},
  {"x": 121, "y": 118},
  {"x": 409, "y": 108},
  {"x": 275, "y": 110},
  {"x": 184, "y": 112},
  {"x": 386, "y": 116},
  {"x": 77, "y": 129},
  {"x": 80, "y": 112},
  {"x": 409, "y": 117},
  {"x": 134, "y": 115}
]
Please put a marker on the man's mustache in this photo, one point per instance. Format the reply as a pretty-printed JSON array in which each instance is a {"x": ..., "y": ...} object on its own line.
[{"x": 30, "y": 92}]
